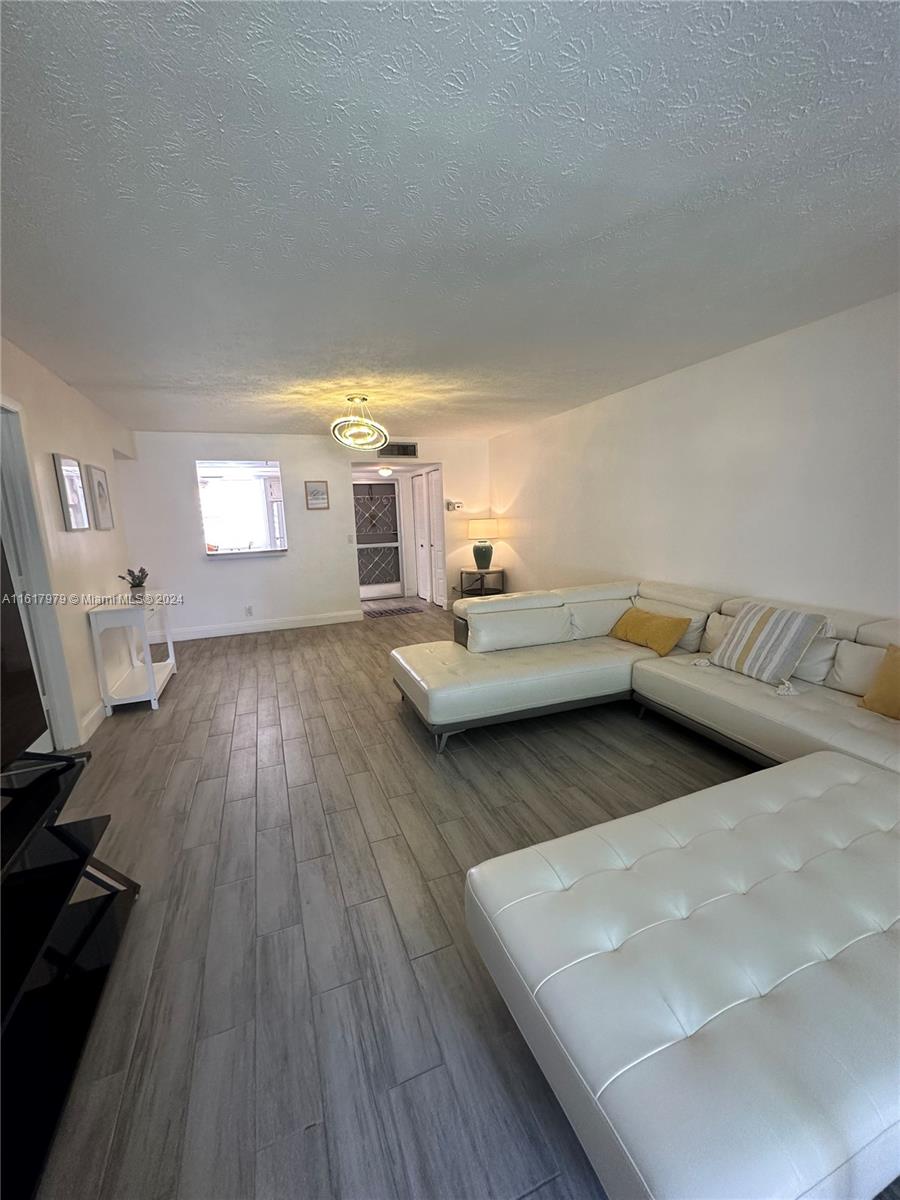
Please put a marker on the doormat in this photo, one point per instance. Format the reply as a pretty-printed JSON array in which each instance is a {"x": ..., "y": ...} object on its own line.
[{"x": 391, "y": 612}]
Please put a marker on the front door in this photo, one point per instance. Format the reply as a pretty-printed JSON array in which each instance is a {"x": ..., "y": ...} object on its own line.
[{"x": 377, "y": 540}]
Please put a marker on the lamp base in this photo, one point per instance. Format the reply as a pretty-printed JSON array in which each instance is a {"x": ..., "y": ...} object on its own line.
[{"x": 483, "y": 552}]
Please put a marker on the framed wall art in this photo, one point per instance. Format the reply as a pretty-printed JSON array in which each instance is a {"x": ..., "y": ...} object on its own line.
[
  {"x": 98, "y": 490},
  {"x": 71, "y": 492},
  {"x": 316, "y": 493}
]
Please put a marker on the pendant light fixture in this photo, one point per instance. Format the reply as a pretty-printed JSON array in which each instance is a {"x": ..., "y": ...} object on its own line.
[{"x": 356, "y": 429}]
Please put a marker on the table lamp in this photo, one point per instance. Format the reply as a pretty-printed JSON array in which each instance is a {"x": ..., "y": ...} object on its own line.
[{"x": 481, "y": 530}]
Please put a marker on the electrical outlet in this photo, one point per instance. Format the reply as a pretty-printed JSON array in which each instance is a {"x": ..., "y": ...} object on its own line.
[{"x": 248, "y": 611}]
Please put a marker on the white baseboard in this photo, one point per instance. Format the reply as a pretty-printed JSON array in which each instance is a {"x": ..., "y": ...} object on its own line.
[
  {"x": 91, "y": 722},
  {"x": 193, "y": 632}
]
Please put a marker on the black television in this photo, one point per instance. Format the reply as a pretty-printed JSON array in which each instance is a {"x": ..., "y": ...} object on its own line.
[{"x": 22, "y": 717}]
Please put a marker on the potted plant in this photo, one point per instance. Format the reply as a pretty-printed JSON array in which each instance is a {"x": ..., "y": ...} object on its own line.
[{"x": 136, "y": 580}]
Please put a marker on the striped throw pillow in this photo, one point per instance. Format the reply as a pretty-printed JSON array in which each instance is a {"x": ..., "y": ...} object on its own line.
[{"x": 767, "y": 643}]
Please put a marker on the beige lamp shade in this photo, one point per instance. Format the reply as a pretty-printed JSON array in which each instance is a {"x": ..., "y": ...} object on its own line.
[{"x": 487, "y": 527}]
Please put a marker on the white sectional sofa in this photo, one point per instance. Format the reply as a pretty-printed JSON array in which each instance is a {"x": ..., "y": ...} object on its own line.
[
  {"x": 528, "y": 653},
  {"x": 824, "y": 714},
  {"x": 711, "y": 986}
]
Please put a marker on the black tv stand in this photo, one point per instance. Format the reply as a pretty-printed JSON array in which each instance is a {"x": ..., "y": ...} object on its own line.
[{"x": 59, "y": 941}]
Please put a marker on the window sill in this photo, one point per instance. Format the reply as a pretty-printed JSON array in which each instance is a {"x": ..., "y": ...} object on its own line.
[{"x": 243, "y": 553}]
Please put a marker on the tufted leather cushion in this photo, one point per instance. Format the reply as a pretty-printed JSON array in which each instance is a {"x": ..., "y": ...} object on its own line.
[
  {"x": 526, "y": 627},
  {"x": 448, "y": 684},
  {"x": 752, "y": 713},
  {"x": 711, "y": 987},
  {"x": 614, "y": 589},
  {"x": 880, "y": 633},
  {"x": 817, "y": 660},
  {"x": 701, "y": 599},
  {"x": 717, "y": 627},
  {"x": 595, "y": 618},
  {"x": 843, "y": 623},
  {"x": 854, "y": 668},
  {"x": 507, "y": 602}
]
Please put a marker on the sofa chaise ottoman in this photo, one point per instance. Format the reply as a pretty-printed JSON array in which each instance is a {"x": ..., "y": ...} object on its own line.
[{"x": 712, "y": 987}]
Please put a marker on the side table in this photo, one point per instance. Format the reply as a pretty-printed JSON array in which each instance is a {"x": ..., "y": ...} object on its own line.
[
  {"x": 147, "y": 678},
  {"x": 475, "y": 582}
]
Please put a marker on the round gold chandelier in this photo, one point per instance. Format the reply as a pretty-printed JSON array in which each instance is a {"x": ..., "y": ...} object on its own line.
[{"x": 356, "y": 429}]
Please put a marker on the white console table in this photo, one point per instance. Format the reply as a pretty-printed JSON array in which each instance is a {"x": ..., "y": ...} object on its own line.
[{"x": 146, "y": 678}]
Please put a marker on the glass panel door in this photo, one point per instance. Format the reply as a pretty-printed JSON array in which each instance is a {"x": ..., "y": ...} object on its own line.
[{"x": 377, "y": 539}]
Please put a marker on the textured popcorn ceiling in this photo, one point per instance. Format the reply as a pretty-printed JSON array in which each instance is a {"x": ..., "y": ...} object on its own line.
[{"x": 227, "y": 216}]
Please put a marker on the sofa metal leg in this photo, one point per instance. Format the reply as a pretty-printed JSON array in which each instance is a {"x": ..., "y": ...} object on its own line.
[
  {"x": 440, "y": 741},
  {"x": 641, "y": 711}
]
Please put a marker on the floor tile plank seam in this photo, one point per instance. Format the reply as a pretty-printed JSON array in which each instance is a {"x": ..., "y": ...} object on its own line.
[
  {"x": 127, "y": 1070},
  {"x": 383, "y": 1115},
  {"x": 318, "y": 1061},
  {"x": 541, "y": 1186},
  {"x": 124, "y": 1071}
]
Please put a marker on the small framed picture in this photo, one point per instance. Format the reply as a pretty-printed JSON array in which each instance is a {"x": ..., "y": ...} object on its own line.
[
  {"x": 316, "y": 493},
  {"x": 98, "y": 489},
  {"x": 71, "y": 492}
]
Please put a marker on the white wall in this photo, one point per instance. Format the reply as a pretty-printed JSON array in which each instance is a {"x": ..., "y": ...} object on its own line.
[
  {"x": 316, "y": 581},
  {"x": 773, "y": 469},
  {"x": 56, "y": 418}
]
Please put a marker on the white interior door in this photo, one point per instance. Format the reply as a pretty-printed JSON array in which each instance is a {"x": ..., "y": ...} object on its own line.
[
  {"x": 436, "y": 529},
  {"x": 422, "y": 532}
]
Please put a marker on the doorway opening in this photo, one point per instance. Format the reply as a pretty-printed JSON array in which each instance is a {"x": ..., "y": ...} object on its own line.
[
  {"x": 26, "y": 563},
  {"x": 400, "y": 543}
]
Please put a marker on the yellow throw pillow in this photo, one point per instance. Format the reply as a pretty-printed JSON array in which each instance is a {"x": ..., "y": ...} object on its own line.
[
  {"x": 884, "y": 694},
  {"x": 649, "y": 629}
]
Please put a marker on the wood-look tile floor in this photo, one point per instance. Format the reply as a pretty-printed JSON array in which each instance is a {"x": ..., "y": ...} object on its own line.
[{"x": 297, "y": 1010}]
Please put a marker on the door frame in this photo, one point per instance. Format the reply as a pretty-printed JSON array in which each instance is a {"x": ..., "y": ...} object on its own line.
[
  {"x": 28, "y": 564},
  {"x": 422, "y": 519},
  {"x": 383, "y": 591}
]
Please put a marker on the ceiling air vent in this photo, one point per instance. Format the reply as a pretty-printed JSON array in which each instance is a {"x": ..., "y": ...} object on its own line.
[{"x": 399, "y": 450}]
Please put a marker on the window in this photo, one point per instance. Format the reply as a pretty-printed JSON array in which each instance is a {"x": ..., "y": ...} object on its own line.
[{"x": 242, "y": 507}]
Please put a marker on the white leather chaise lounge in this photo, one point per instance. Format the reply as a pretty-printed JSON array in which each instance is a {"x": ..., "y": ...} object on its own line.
[
  {"x": 712, "y": 987},
  {"x": 528, "y": 653}
]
